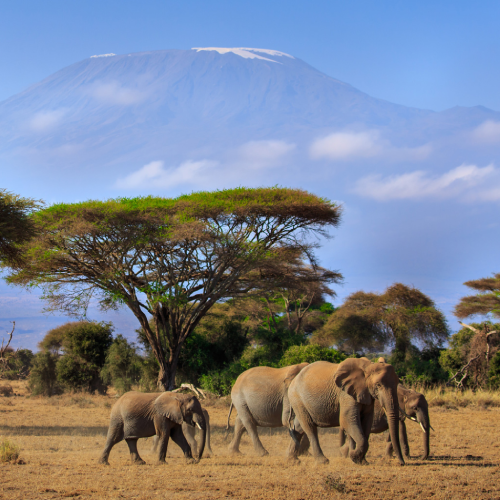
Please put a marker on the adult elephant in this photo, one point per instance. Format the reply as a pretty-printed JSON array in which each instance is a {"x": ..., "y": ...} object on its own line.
[
  {"x": 260, "y": 398},
  {"x": 331, "y": 395},
  {"x": 138, "y": 415},
  {"x": 189, "y": 433},
  {"x": 413, "y": 406}
]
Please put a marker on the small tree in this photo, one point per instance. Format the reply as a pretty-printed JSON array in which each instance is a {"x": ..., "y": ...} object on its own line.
[
  {"x": 170, "y": 259},
  {"x": 122, "y": 368},
  {"x": 43, "y": 375},
  {"x": 309, "y": 354},
  {"x": 399, "y": 315}
]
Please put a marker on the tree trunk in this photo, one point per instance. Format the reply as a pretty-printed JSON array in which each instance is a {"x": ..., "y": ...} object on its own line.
[{"x": 168, "y": 370}]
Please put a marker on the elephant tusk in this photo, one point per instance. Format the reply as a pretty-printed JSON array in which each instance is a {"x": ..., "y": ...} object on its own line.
[
  {"x": 198, "y": 425},
  {"x": 431, "y": 427},
  {"x": 423, "y": 430}
]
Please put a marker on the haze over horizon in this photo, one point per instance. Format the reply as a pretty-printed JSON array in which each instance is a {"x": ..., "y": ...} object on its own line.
[{"x": 421, "y": 189}]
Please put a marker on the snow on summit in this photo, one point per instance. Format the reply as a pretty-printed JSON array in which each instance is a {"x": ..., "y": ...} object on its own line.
[{"x": 246, "y": 52}]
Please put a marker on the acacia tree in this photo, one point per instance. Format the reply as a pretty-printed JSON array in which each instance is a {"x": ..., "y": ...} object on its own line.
[
  {"x": 16, "y": 225},
  {"x": 399, "y": 315},
  {"x": 172, "y": 259},
  {"x": 485, "y": 302}
]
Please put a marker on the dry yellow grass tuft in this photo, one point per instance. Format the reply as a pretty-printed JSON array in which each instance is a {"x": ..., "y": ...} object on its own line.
[
  {"x": 62, "y": 438},
  {"x": 9, "y": 452},
  {"x": 451, "y": 398}
]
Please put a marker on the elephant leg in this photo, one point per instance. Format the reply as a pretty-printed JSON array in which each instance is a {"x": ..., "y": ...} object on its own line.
[
  {"x": 366, "y": 426},
  {"x": 115, "y": 435},
  {"x": 389, "y": 449},
  {"x": 178, "y": 438},
  {"x": 251, "y": 428},
  {"x": 134, "y": 454},
  {"x": 304, "y": 446},
  {"x": 297, "y": 435},
  {"x": 343, "y": 447},
  {"x": 208, "y": 449},
  {"x": 239, "y": 429},
  {"x": 155, "y": 443},
  {"x": 188, "y": 432},
  {"x": 311, "y": 432},
  {"x": 403, "y": 437},
  {"x": 162, "y": 445},
  {"x": 350, "y": 420}
]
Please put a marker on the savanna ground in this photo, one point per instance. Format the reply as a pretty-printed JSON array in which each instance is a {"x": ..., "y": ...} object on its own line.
[{"x": 60, "y": 439}]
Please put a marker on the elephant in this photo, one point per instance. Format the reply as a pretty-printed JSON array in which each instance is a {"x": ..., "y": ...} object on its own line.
[
  {"x": 189, "y": 433},
  {"x": 260, "y": 398},
  {"x": 330, "y": 395},
  {"x": 412, "y": 405},
  {"x": 138, "y": 415}
]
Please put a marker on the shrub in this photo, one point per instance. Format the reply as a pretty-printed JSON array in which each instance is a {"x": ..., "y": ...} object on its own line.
[
  {"x": 221, "y": 382},
  {"x": 123, "y": 365},
  {"x": 43, "y": 375},
  {"x": 9, "y": 452},
  {"x": 18, "y": 364},
  {"x": 6, "y": 390},
  {"x": 309, "y": 354}
]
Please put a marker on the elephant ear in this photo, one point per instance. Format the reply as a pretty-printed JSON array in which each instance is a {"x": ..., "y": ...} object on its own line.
[
  {"x": 170, "y": 407},
  {"x": 350, "y": 378}
]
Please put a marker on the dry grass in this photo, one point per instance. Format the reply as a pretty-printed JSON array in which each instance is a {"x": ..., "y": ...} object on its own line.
[
  {"x": 61, "y": 439},
  {"x": 452, "y": 399}
]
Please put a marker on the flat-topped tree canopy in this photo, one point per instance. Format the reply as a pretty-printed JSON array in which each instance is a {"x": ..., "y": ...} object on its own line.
[{"x": 171, "y": 258}]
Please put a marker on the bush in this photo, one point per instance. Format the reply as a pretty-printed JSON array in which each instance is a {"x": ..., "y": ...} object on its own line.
[
  {"x": 6, "y": 390},
  {"x": 78, "y": 374},
  {"x": 18, "y": 364},
  {"x": 221, "y": 382},
  {"x": 123, "y": 365},
  {"x": 43, "y": 375},
  {"x": 9, "y": 452},
  {"x": 309, "y": 354}
]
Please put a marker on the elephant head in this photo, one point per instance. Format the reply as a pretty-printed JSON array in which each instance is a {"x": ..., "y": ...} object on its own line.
[
  {"x": 366, "y": 381},
  {"x": 414, "y": 406},
  {"x": 183, "y": 408}
]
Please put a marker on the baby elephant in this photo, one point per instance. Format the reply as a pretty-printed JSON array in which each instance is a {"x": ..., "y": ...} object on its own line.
[
  {"x": 189, "y": 433},
  {"x": 138, "y": 415}
]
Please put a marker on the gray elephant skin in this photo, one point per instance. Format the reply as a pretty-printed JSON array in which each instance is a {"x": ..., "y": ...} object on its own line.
[
  {"x": 260, "y": 398},
  {"x": 139, "y": 415},
  {"x": 331, "y": 395},
  {"x": 189, "y": 433},
  {"x": 413, "y": 406}
]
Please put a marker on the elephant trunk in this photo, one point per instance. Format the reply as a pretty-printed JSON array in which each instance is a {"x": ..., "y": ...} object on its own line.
[
  {"x": 423, "y": 420},
  {"x": 200, "y": 422},
  {"x": 389, "y": 401}
]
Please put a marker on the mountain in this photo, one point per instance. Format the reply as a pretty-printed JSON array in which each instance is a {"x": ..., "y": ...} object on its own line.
[
  {"x": 420, "y": 189},
  {"x": 120, "y": 109}
]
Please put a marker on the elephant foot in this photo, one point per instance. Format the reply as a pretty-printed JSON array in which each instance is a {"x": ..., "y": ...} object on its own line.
[
  {"x": 139, "y": 461},
  {"x": 263, "y": 453},
  {"x": 207, "y": 455},
  {"x": 322, "y": 460},
  {"x": 103, "y": 461},
  {"x": 364, "y": 462},
  {"x": 293, "y": 461},
  {"x": 190, "y": 461},
  {"x": 424, "y": 457}
]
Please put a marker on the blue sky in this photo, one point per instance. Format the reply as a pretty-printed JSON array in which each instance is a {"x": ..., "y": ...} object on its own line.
[
  {"x": 426, "y": 54},
  {"x": 431, "y": 55}
]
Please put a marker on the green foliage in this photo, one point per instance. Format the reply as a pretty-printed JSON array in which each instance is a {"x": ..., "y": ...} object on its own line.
[
  {"x": 16, "y": 226},
  {"x": 43, "y": 375},
  {"x": 453, "y": 358},
  {"x": 122, "y": 368},
  {"x": 494, "y": 371},
  {"x": 220, "y": 382},
  {"x": 309, "y": 354},
  {"x": 85, "y": 346},
  {"x": 17, "y": 365},
  {"x": 415, "y": 367},
  {"x": 487, "y": 301}
]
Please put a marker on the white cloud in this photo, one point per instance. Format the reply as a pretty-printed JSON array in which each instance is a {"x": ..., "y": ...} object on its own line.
[
  {"x": 154, "y": 175},
  {"x": 44, "y": 121},
  {"x": 261, "y": 154},
  {"x": 351, "y": 145},
  {"x": 113, "y": 92},
  {"x": 419, "y": 184},
  {"x": 488, "y": 131}
]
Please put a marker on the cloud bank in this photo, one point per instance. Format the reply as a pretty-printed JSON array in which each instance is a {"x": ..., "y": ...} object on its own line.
[
  {"x": 353, "y": 145},
  {"x": 466, "y": 181},
  {"x": 113, "y": 92},
  {"x": 487, "y": 132}
]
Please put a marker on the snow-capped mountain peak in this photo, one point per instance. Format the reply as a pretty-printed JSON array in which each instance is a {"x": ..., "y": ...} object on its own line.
[
  {"x": 246, "y": 52},
  {"x": 103, "y": 55}
]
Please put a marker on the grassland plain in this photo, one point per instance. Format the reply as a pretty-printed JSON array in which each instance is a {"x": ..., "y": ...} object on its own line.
[{"x": 60, "y": 439}]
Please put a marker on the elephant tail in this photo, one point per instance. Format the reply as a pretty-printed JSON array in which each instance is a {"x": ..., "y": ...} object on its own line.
[{"x": 228, "y": 417}]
